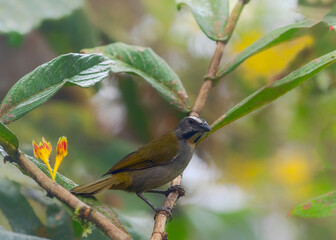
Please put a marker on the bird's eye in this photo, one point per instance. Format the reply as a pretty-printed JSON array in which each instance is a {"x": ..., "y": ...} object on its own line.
[{"x": 190, "y": 121}]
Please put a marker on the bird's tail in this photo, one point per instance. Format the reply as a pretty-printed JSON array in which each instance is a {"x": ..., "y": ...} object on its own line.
[{"x": 95, "y": 187}]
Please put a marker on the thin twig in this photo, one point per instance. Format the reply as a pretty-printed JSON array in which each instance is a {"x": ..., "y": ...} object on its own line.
[
  {"x": 208, "y": 83},
  {"x": 57, "y": 191},
  {"x": 216, "y": 59},
  {"x": 161, "y": 219}
]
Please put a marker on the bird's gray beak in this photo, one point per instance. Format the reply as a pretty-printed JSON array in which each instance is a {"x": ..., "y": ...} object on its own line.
[{"x": 205, "y": 127}]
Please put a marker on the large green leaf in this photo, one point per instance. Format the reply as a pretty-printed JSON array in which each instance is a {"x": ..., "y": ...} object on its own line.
[
  {"x": 38, "y": 86},
  {"x": 211, "y": 16},
  {"x": 16, "y": 208},
  {"x": 145, "y": 63},
  {"x": 8, "y": 140},
  {"x": 322, "y": 206},
  {"x": 21, "y": 16},
  {"x": 274, "y": 37},
  {"x": 6, "y": 235},
  {"x": 274, "y": 90}
]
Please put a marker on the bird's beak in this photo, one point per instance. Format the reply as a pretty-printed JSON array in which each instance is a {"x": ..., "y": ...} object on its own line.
[{"x": 205, "y": 127}]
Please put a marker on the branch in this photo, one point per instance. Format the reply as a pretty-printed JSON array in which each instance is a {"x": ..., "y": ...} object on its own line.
[
  {"x": 84, "y": 211},
  {"x": 161, "y": 219},
  {"x": 216, "y": 59}
]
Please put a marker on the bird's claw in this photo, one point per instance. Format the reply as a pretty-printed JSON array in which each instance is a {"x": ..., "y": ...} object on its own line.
[
  {"x": 165, "y": 211},
  {"x": 176, "y": 188},
  {"x": 7, "y": 159}
]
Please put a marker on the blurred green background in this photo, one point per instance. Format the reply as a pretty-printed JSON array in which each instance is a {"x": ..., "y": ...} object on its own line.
[{"x": 243, "y": 180}]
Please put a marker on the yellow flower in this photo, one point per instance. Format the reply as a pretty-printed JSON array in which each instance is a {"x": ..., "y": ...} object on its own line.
[
  {"x": 43, "y": 150},
  {"x": 266, "y": 64},
  {"x": 292, "y": 168},
  {"x": 61, "y": 153}
]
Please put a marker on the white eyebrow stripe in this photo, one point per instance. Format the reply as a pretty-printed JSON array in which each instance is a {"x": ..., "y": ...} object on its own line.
[{"x": 196, "y": 119}]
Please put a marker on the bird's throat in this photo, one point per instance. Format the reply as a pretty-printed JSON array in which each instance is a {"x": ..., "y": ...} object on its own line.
[{"x": 195, "y": 137}]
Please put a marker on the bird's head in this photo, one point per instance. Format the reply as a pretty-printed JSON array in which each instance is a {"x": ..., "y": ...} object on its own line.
[{"x": 191, "y": 128}]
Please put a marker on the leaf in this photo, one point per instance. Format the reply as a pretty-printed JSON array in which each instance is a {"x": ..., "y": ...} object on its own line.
[
  {"x": 58, "y": 222},
  {"x": 274, "y": 90},
  {"x": 22, "y": 16},
  {"x": 16, "y": 208},
  {"x": 269, "y": 40},
  {"x": 42, "y": 83},
  {"x": 326, "y": 145},
  {"x": 322, "y": 206},
  {"x": 211, "y": 16},
  {"x": 6, "y": 235},
  {"x": 8, "y": 140},
  {"x": 330, "y": 18},
  {"x": 145, "y": 63}
]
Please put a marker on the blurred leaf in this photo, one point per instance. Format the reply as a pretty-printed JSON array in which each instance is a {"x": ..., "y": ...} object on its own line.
[
  {"x": 145, "y": 63},
  {"x": 16, "y": 208},
  {"x": 327, "y": 145},
  {"x": 22, "y": 16},
  {"x": 58, "y": 223},
  {"x": 6, "y": 235},
  {"x": 330, "y": 18},
  {"x": 322, "y": 206},
  {"x": 15, "y": 39},
  {"x": 211, "y": 16},
  {"x": 207, "y": 224},
  {"x": 70, "y": 34},
  {"x": 316, "y": 4},
  {"x": 274, "y": 90},
  {"x": 42, "y": 83},
  {"x": 269, "y": 40},
  {"x": 8, "y": 140},
  {"x": 136, "y": 113}
]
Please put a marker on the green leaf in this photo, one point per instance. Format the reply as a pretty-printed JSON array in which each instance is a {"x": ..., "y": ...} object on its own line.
[
  {"x": 16, "y": 208},
  {"x": 330, "y": 18},
  {"x": 269, "y": 40},
  {"x": 38, "y": 86},
  {"x": 322, "y": 206},
  {"x": 22, "y": 16},
  {"x": 145, "y": 63},
  {"x": 211, "y": 16},
  {"x": 326, "y": 145},
  {"x": 8, "y": 140},
  {"x": 274, "y": 90},
  {"x": 6, "y": 235},
  {"x": 58, "y": 222}
]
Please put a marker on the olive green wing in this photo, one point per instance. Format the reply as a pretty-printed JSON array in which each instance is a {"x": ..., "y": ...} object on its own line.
[{"x": 157, "y": 152}]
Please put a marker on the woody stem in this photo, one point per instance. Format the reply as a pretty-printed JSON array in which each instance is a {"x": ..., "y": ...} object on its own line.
[{"x": 216, "y": 59}]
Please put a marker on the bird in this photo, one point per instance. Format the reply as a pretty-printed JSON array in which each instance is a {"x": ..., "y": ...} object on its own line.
[{"x": 153, "y": 164}]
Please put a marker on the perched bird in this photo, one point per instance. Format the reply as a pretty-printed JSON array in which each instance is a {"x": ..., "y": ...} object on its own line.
[{"x": 152, "y": 165}]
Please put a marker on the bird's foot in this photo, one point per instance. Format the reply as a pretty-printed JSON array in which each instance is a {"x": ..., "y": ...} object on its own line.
[
  {"x": 165, "y": 211},
  {"x": 8, "y": 159},
  {"x": 175, "y": 188}
]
